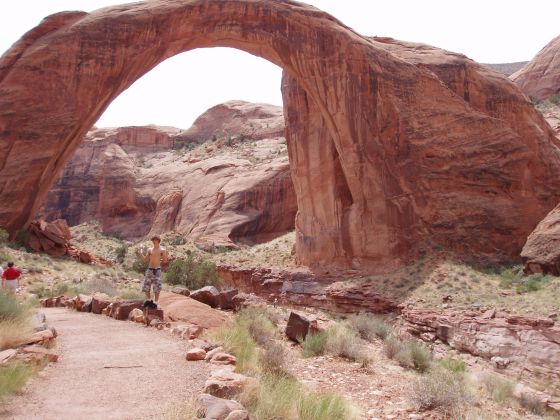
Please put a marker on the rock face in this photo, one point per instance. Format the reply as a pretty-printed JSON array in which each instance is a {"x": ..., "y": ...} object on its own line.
[
  {"x": 541, "y": 252},
  {"x": 391, "y": 152},
  {"x": 51, "y": 238},
  {"x": 529, "y": 344},
  {"x": 140, "y": 181},
  {"x": 299, "y": 326},
  {"x": 540, "y": 78}
]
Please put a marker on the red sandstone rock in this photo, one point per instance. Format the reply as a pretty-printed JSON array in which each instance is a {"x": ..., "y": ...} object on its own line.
[
  {"x": 541, "y": 252},
  {"x": 183, "y": 309},
  {"x": 256, "y": 200},
  {"x": 121, "y": 310},
  {"x": 540, "y": 78},
  {"x": 208, "y": 295},
  {"x": 211, "y": 407},
  {"x": 226, "y": 298},
  {"x": 223, "y": 359},
  {"x": 195, "y": 354},
  {"x": 299, "y": 326},
  {"x": 526, "y": 342},
  {"x": 83, "y": 303},
  {"x": 379, "y": 147},
  {"x": 181, "y": 291},
  {"x": 99, "y": 301},
  {"x": 52, "y": 238},
  {"x": 39, "y": 353},
  {"x": 150, "y": 314},
  {"x": 223, "y": 383}
]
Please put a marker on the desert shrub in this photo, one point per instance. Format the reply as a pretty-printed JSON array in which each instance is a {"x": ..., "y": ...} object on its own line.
[
  {"x": 14, "y": 332},
  {"x": 531, "y": 403},
  {"x": 532, "y": 283},
  {"x": 369, "y": 326},
  {"x": 22, "y": 238},
  {"x": 326, "y": 406},
  {"x": 272, "y": 397},
  {"x": 314, "y": 344},
  {"x": 10, "y": 308},
  {"x": 120, "y": 253},
  {"x": 453, "y": 365},
  {"x": 13, "y": 377},
  {"x": 439, "y": 388},
  {"x": 192, "y": 273},
  {"x": 273, "y": 358},
  {"x": 4, "y": 236},
  {"x": 237, "y": 340},
  {"x": 392, "y": 346},
  {"x": 343, "y": 341},
  {"x": 420, "y": 355},
  {"x": 554, "y": 99},
  {"x": 499, "y": 389}
]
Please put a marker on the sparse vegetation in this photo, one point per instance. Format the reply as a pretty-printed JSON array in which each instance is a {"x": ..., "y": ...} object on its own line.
[
  {"x": 326, "y": 406},
  {"x": 369, "y": 326},
  {"x": 439, "y": 388},
  {"x": 4, "y": 236},
  {"x": 408, "y": 354},
  {"x": 499, "y": 389},
  {"x": 314, "y": 344},
  {"x": 192, "y": 272},
  {"x": 121, "y": 252},
  {"x": 343, "y": 341},
  {"x": 453, "y": 365},
  {"x": 392, "y": 346},
  {"x": 13, "y": 377},
  {"x": 532, "y": 404},
  {"x": 273, "y": 358}
]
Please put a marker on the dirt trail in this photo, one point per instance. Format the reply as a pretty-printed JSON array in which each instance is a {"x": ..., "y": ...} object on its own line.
[{"x": 148, "y": 374}]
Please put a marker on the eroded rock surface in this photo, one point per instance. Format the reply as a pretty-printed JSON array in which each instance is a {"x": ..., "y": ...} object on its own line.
[
  {"x": 226, "y": 178},
  {"x": 390, "y": 154},
  {"x": 541, "y": 252},
  {"x": 540, "y": 78}
]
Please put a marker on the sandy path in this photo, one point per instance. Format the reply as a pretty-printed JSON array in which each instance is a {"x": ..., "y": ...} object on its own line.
[{"x": 80, "y": 387}]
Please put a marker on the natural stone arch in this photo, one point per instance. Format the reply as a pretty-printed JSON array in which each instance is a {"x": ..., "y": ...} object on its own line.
[{"x": 381, "y": 128}]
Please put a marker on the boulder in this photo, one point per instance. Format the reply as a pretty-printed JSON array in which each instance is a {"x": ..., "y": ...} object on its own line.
[
  {"x": 226, "y": 298},
  {"x": 195, "y": 354},
  {"x": 245, "y": 300},
  {"x": 51, "y": 238},
  {"x": 224, "y": 383},
  {"x": 208, "y": 295},
  {"x": 223, "y": 359},
  {"x": 136, "y": 315},
  {"x": 213, "y": 352},
  {"x": 541, "y": 252},
  {"x": 99, "y": 301},
  {"x": 82, "y": 303},
  {"x": 215, "y": 408},
  {"x": 39, "y": 353},
  {"x": 121, "y": 310},
  {"x": 187, "y": 311},
  {"x": 42, "y": 337},
  {"x": 300, "y": 325},
  {"x": 150, "y": 314}
]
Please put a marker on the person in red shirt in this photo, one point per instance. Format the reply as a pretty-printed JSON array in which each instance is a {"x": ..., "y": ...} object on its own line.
[{"x": 10, "y": 278}]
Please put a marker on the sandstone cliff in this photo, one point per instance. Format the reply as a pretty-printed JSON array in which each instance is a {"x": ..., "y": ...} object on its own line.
[
  {"x": 417, "y": 154},
  {"x": 540, "y": 78},
  {"x": 226, "y": 178}
]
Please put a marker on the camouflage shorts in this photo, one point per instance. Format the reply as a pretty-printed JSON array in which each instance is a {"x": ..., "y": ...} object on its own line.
[{"x": 152, "y": 277}]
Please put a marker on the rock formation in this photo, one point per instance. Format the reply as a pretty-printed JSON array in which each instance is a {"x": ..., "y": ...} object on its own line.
[
  {"x": 393, "y": 147},
  {"x": 226, "y": 178},
  {"x": 541, "y": 252},
  {"x": 540, "y": 78}
]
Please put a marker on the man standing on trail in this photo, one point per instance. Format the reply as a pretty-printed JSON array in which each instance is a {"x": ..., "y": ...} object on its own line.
[
  {"x": 155, "y": 257},
  {"x": 10, "y": 278}
]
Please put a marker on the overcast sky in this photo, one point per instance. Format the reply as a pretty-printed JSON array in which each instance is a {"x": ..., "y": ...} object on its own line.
[{"x": 181, "y": 88}]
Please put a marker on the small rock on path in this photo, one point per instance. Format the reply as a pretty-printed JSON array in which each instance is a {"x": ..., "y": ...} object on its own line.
[{"x": 148, "y": 374}]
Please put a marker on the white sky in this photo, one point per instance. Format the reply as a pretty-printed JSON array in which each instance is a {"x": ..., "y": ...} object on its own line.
[{"x": 181, "y": 88}]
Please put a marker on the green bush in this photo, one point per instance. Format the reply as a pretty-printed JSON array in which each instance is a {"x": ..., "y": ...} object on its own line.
[
  {"x": 121, "y": 252},
  {"x": 237, "y": 340},
  {"x": 10, "y": 308},
  {"x": 343, "y": 341},
  {"x": 369, "y": 326},
  {"x": 192, "y": 273},
  {"x": 139, "y": 265},
  {"x": 314, "y": 344},
  {"x": 532, "y": 283},
  {"x": 439, "y": 388},
  {"x": 4, "y": 236},
  {"x": 13, "y": 377},
  {"x": 453, "y": 365},
  {"x": 408, "y": 354},
  {"x": 420, "y": 355},
  {"x": 499, "y": 389},
  {"x": 326, "y": 406}
]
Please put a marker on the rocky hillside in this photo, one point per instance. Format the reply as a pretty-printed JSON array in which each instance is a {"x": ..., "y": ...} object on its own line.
[
  {"x": 507, "y": 68},
  {"x": 540, "y": 78},
  {"x": 225, "y": 179}
]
